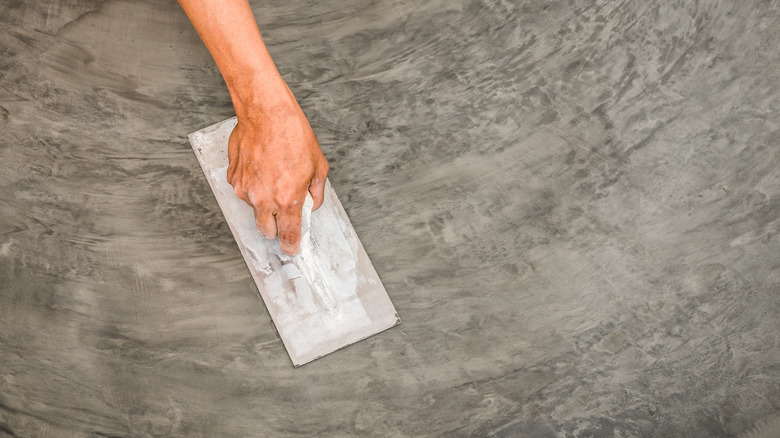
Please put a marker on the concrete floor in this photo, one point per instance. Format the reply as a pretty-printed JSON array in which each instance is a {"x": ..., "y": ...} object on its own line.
[{"x": 574, "y": 205}]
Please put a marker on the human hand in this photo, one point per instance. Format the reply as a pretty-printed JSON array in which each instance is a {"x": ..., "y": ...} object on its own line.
[
  {"x": 274, "y": 156},
  {"x": 274, "y": 160}
]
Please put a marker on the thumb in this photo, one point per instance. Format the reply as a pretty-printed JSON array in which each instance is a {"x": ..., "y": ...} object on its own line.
[{"x": 317, "y": 186}]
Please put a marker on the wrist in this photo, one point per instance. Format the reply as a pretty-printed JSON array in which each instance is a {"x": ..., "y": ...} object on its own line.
[{"x": 258, "y": 91}]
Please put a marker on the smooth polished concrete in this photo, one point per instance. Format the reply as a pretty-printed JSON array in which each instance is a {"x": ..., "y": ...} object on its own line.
[{"x": 574, "y": 205}]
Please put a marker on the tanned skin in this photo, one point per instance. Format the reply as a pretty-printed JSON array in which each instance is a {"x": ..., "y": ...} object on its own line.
[{"x": 274, "y": 156}]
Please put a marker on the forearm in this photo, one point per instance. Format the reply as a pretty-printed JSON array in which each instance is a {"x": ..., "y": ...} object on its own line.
[
  {"x": 274, "y": 157},
  {"x": 230, "y": 33}
]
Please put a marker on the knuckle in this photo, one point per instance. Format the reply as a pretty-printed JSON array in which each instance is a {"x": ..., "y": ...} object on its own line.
[
  {"x": 285, "y": 198},
  {"x": 321, "y": 170},
  {"x": 239, "y": 190},
  {"x": 255, "y": 198}
]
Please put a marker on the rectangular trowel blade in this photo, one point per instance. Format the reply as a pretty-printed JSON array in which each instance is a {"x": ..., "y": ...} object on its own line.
[{"x": 327, "y": 297}]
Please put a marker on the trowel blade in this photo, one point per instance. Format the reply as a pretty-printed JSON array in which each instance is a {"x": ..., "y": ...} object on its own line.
[{"x": 327, "y": 297}]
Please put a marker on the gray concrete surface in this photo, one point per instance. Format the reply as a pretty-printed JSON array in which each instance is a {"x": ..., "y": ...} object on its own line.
[{"x": 574, "y": 205}]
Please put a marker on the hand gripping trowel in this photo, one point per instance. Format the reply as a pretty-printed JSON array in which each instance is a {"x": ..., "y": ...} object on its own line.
[{"x": 325, "y": 298}]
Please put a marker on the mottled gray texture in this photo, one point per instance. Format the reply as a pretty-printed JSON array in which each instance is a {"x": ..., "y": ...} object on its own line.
[{"x": 574, "y": 205}]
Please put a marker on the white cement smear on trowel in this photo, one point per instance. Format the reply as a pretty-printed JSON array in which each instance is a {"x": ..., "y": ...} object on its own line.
[
  {"x": 315, "y": 291},
  {"x": 322, "y": 277}
]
